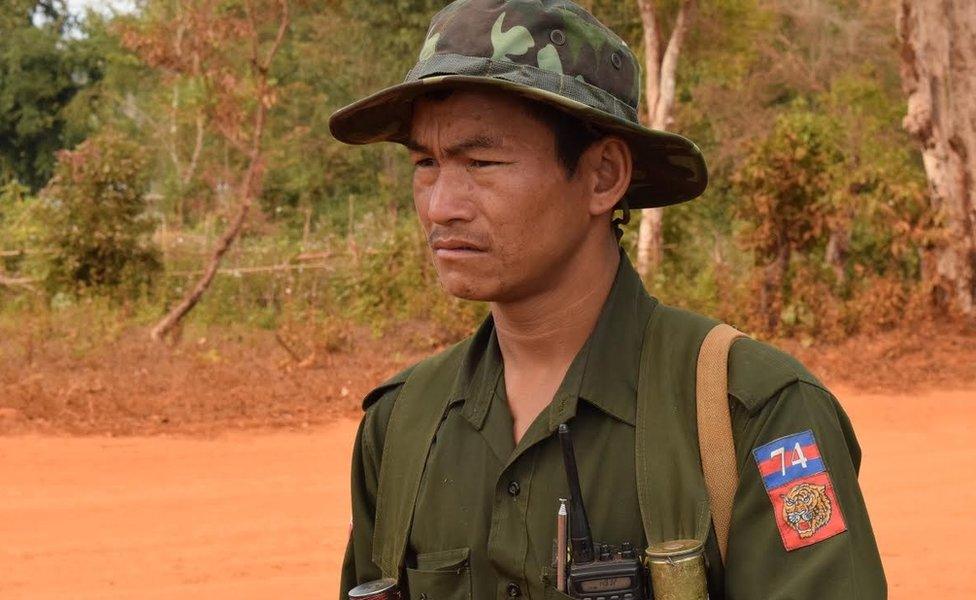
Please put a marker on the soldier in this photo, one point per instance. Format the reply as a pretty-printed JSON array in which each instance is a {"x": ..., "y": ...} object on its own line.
[{"x": 521, "y": 121}]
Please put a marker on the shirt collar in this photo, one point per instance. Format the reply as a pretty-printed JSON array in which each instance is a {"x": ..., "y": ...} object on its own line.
[
  {"x": 604, "y": 371},
  {"x": 478, "y": 376},
  {"x": 611, "y": 356}
]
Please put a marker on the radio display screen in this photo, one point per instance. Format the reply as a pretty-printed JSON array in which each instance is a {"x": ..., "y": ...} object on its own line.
[{"x": 605, "y": 584}]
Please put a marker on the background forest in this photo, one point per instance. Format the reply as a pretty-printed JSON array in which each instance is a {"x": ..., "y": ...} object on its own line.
[
  {"x": 133, "y": 145},
  {"x": 166, "y": 172}
]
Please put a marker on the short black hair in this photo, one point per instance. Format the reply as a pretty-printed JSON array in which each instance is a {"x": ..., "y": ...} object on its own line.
[{"x": 572, "y": 135}]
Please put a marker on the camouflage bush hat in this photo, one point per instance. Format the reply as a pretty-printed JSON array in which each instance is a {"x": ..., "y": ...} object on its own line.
[{"x": 551, "y": 51}]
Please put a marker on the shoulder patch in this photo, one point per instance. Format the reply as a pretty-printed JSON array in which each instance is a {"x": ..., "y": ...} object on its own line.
[
  {"x": 393, "y": 382},
  {"x": 758, "y": 371},
  {"x": 798, "y": 485}
]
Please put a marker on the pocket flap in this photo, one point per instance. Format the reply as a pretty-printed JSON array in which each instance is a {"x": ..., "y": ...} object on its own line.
[
  {"x": 445, "y": 560},
  {"x": 443, "y": 575}
]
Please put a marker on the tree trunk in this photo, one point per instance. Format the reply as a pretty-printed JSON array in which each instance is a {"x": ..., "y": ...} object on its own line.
[
  {"x": 771, "y": 293},
  {"x": 938, "y": 50},
  {"x": 659, "y": 89},
  {"x": 251, "y": 180},
  {"x": 838, "y": 247},
  {"x": 650, "y": 240}
]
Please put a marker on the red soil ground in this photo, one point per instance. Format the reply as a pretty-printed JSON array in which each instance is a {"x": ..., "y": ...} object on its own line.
[
  {"x": 241, "y": 491},
  {"x": 266, "y": 515}
]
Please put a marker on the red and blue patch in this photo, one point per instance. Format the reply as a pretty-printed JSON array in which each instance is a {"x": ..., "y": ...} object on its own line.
[{"x": 799, "y": 487}]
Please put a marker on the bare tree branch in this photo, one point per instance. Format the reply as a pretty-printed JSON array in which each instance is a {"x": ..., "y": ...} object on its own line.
[
  {"x": 250, "y": 184},
  {"x": 279, "y": 36},
  {"x": 652, "y": 56},
  {"x": 191, "y": 168},
  {"x": 669, "y": 67},
  {"x": 21, "y": 282},
  {"x": 287, "y": 348},
  {"x": 660, "y": 93}
]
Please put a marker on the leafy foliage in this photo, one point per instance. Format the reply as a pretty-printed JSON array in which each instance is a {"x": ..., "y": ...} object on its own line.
[
  {"x": 22, "y": 232},
  {"x": 41, "y": 72},
  {"x": 786, "y": 184},
  {"x": 815, "y": 222},
  {"x": 99, "y": 229},
  {"x": 828, "y": 216}
]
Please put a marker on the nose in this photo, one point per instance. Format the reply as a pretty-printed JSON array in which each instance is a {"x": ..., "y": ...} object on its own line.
[{"x": 449, "y": 197}]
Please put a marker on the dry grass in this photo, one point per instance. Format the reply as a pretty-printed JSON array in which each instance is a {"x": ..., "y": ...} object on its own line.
[
  {"x": 212, "y": 379},
  {"x": 91, "y": 374}
]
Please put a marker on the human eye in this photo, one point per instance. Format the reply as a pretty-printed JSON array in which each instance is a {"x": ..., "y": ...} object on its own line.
[
  {"x": 480, "y": 164},
  {"x": 423, "y": 162}
]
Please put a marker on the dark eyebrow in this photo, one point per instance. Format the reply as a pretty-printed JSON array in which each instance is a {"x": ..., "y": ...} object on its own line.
[{"x": 478, "y": 142}]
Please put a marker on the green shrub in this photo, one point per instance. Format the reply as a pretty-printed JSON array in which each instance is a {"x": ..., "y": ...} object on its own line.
[
  {"x": 98, "y": 229},
  {"x": 21, "y": 232},
  {"x": 393, "y": 279},
  {"x": 834, "y": 222}
]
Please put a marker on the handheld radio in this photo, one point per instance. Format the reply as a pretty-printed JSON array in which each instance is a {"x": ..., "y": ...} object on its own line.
[{"x": 596, "y": 571}]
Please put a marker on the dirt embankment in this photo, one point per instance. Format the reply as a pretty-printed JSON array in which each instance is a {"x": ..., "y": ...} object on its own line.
[
  {"x": 218, "y": 380},
  {"x": 924, "y": 355},
  {"x": 213, "y": 381}
]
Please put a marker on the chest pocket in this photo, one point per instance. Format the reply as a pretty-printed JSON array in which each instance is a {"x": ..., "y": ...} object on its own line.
[{"x": 444, "y": 575}]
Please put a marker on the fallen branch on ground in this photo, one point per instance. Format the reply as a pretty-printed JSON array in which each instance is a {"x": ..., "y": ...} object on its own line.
[
  {"x": 249, "y": 270},
  {"x": 21, "y": 282}
]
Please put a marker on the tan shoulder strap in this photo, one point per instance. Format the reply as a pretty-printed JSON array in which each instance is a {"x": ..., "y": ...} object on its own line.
[{"x": 715, "y": 428}]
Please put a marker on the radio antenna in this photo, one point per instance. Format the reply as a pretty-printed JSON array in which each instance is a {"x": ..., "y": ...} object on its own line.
[{"x": 580, "y": 540}]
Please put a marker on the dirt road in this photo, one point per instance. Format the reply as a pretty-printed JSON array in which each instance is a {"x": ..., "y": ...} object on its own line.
[
  {"x": 266, "y": 515},
  {"x": 242, "y": 516}
]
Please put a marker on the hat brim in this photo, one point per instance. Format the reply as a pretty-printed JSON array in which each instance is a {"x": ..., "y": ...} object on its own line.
[{"x": 668, "y": 168}]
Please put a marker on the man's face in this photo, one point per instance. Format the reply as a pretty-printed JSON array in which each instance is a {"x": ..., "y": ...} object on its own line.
[{"x": 501, "y": 214}]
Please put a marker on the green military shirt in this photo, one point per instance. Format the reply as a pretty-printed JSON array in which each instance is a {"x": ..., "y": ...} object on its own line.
[{"x": 485, "y": 515}]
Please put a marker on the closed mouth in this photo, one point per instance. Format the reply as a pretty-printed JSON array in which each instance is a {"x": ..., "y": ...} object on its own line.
[{"x": 454, "y": 246}]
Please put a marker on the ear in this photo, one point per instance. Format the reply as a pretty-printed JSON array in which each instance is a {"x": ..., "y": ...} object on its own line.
[{"x": 609, "y": 166}]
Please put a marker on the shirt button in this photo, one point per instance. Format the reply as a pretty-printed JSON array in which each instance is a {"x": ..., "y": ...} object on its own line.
[
  {"x": 514, "y": 591},
  {"x": 514, "y": 489}
]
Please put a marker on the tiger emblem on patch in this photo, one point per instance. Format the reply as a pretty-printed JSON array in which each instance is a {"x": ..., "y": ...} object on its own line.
[
  {"x": 807, "y": 508},
  {"x": 805, "y": 505}
]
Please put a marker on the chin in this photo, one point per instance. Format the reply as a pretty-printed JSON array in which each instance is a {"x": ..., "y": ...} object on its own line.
[
  {"x": 468, "y": 288},
  {"x": 468, "y": 292}
]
